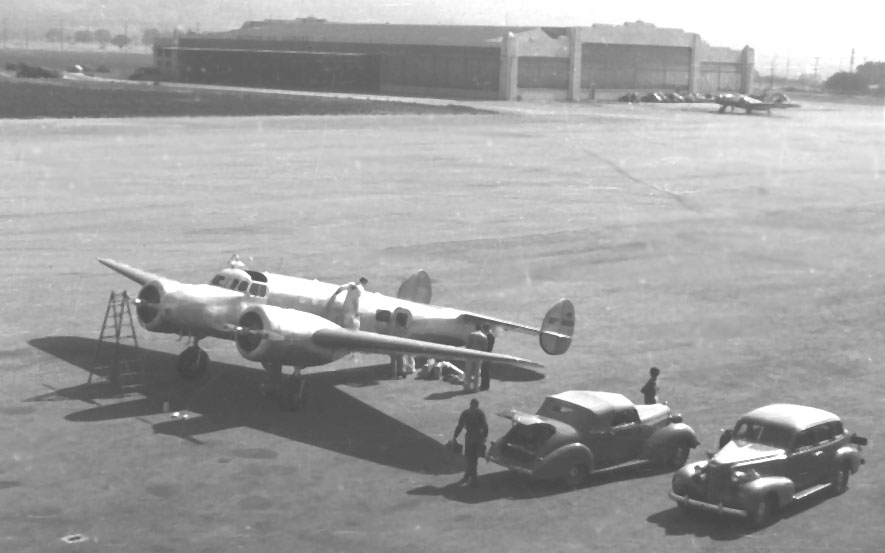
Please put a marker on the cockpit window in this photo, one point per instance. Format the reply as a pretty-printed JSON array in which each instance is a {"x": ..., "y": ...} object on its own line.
[
  {"x": 259, "y": 290},
  {"x": 234, "y": 283},
  {"x": 217, "y": 280},
  {"x": 243, "y": 286}
]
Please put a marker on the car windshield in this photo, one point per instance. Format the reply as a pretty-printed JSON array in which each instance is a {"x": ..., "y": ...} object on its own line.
[{"x": 762, "y": 433}]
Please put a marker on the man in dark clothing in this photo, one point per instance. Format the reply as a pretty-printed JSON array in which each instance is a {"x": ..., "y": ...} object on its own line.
[
  {"x": 486, "y": 371},
  {"x": 473, "y": 420},
  {"x": 650, "y": 390}
]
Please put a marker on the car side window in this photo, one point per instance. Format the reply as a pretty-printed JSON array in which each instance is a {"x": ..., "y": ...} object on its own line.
[
  {"x": 804, "y": 440},
  {"x": 822, "y": 434},
  {"x": 621, "y": 418}
]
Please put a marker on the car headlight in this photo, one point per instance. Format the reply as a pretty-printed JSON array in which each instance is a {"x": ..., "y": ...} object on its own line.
[{"x": 742, "y": 476}]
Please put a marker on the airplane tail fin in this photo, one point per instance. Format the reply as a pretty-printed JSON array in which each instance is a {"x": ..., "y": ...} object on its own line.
[
  {"x": 558, "y": 327},
  {"x": 416, "y": 288}
]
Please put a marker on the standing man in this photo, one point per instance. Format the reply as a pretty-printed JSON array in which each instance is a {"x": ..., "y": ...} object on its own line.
[
  {"x": 351, "y": 305},
  {"x": 650, "y": 389},
  {"x": 478, "y": 341},
  {"x": 473, "y": 420},
  {"x": 486, "y": 371}
]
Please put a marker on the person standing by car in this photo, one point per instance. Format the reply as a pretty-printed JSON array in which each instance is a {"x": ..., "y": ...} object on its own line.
[
  {"x": 473, "y": 421},
  {"x": 650, "y": 390}
]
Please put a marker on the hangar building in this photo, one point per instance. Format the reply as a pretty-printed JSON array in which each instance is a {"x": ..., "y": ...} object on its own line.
[{"x": 469, "y": 62}]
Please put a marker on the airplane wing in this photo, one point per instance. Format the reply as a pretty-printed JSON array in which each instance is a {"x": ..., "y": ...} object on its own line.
[
  {"x": 369, "y": 342},
  {"x": 137, "y": 275}
]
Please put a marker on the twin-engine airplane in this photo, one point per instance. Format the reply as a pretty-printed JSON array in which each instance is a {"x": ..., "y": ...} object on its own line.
[
  {"x": 281, "y": 320},
  {"x": 751, "y": 104}
]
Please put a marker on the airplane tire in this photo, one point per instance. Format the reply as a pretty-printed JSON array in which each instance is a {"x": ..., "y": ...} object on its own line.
[{"x": 192, "y": 363}]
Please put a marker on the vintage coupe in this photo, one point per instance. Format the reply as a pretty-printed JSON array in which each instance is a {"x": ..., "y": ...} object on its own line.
[
  {"x": 577, "y": 432},
  {"x": 775, "y": 455}
]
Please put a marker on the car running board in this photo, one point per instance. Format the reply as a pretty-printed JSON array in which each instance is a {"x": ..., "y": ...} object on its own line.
[{"x": 811, "y": 490}]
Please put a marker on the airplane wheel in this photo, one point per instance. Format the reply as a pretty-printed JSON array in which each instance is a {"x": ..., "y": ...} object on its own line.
[{"x": 192, "y": 363}]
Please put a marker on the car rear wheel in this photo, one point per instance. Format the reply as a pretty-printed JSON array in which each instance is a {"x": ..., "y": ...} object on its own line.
[
  {"x": 764, "y": 513},
  {"x": 840, "y": 479},
  {"x": 576, "y": 475}
]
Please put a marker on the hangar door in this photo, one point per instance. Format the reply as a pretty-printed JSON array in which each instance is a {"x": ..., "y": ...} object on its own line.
[{"x": 635, "y": 66}]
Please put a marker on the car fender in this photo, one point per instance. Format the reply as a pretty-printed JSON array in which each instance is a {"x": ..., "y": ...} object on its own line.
[
  {"x": 667, "y": 436},
  {"x": 682, "y": 478},
  {"x": 751, "y": 493},
  {"x": 556, "y": 463},
  {"x": 850, "y": 454}
]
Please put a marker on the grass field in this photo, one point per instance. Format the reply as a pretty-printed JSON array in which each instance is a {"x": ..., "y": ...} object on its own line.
[{"x": 740, "y": 254}]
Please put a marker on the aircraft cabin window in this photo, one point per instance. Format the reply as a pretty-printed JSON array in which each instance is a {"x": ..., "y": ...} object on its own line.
[
  {"x": 234, "y": 283},
  {"x": 243, "y": 286},
  {"x": 217, "y": 280},
  {"x": 255, "y": 289},
  {"x": 382, "y": 316},
  {"x": 402, "y": 319}
]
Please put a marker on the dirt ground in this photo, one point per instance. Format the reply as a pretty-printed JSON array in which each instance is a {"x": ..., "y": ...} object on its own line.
[{"x": 740, "y": 254}]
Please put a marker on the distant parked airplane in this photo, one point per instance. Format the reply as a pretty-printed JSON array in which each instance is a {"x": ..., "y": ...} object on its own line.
[{"x": 751, "y": 103}]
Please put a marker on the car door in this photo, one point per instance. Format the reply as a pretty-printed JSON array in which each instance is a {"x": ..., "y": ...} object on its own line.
[
  {"x": 622, "y": 442},
  {"x": 811, "y": 456}
]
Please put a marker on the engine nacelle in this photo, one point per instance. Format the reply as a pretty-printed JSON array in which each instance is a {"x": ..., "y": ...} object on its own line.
[
  {"x": 150, "y": 309},
  {"x": 198, "y": 310},
  {"x": 279, "y": 335}
]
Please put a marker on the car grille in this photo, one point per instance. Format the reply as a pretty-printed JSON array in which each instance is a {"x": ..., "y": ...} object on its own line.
[{"x": 718, "y": 482}]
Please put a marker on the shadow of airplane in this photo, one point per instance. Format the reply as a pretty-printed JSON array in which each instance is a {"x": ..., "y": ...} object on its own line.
[
  {"x": 230, "y": 398},
  {"x": 506, "y": 484},
  {"x": 703, "y": 524}
]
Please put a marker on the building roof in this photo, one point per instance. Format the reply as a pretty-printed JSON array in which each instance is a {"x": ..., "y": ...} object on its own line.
[
  {"x": 796, "y": 417},
  {"x": 371, "y": 33},
  {"x": 638, "y": 32}
]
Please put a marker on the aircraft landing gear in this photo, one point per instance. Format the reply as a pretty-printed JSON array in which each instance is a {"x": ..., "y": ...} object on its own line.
[
  {"x": 192, "y": 363},
  {"x": 290, "y": 393}
]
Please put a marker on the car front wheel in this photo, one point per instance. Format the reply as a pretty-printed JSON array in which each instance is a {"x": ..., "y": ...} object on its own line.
[
  {"x": 764, "y": 513},
  {"x": 677, "y": 456}
]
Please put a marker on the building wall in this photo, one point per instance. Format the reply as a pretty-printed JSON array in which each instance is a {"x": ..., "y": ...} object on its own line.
[
  {"x": 635, "y": 66},
  {"x": 449, "y": 71}
]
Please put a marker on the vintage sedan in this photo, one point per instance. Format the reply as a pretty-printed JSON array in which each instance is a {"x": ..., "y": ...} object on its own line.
[
  {"x": 577, "y": 432},
  {"x": 775, "y": 455}
]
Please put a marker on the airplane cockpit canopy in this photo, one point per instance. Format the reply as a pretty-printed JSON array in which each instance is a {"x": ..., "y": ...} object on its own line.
[{"x": 248, "y": 282}]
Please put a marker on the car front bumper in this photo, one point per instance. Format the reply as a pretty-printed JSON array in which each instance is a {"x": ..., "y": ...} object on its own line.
[{"x": 704, "y": 506}]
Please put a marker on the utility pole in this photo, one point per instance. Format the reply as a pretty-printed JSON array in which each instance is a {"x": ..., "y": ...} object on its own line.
[
  {"x": 771, "y": 73},
  {"x": 788, "y": 68},
  {"x": 851, "y": 65},
  {"x": 816, "y": 63}
]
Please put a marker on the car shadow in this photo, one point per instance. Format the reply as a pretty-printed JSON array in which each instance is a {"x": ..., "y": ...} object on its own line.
[
  {"x": 229, "y": 398},
  {"x": 703, "y": 524},
  {"x": 506, "y": 484}
]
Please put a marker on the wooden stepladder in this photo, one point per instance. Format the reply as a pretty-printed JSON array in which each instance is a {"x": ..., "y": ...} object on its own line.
[{"x": 124, "y": 367}]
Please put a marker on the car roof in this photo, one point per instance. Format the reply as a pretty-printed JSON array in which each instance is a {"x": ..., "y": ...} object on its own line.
[
  {"x": 601, "y": 403},
  {"x": 797, "y": 417}
]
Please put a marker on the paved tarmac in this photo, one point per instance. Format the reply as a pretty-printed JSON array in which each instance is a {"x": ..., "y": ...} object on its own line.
[{"x": 741, "y": 254}]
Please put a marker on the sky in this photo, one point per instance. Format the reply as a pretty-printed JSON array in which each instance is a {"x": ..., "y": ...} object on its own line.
[{"x": 787, "y": 35}]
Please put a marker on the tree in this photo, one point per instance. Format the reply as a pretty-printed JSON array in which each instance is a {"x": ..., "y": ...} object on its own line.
[
  {"x": 102, "y": 36},
  {"x": 83, "y": 36},
  {"x": 120, "y": 41},
  {"x": 846, "y": 83},
  {"x": 872, "y": 72}
]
